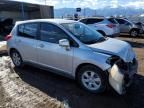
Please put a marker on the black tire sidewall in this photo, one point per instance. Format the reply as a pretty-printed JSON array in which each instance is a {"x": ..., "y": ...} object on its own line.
[
  {"x": 21, "y": 61},
  {"x": 97, "y": 70},
  {"x": 133, "y": 31}
]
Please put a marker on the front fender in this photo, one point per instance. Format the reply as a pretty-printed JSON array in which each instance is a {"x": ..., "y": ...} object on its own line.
[{"x": 90, "y": 57}]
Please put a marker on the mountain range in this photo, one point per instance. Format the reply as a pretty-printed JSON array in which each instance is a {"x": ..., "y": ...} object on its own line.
[{"x": 107, "y": 11}]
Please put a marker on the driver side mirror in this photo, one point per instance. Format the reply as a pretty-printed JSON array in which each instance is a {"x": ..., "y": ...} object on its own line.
[{"x": 64, "y": 43}]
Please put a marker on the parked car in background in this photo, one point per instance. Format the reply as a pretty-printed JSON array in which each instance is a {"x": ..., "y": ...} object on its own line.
[
  {"x": 75, "y": 50},
  {"x": 106, "y": 26},
  {"x": 140, "y": 25},
  {"x": 127, "y": 26},
  {"x": 6, "y": 25}
]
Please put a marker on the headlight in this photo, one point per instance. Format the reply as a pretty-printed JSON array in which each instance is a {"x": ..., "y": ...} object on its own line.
[{"x": 111, "y": 60}]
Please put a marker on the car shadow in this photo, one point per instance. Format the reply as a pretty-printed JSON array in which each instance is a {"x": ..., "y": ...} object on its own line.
[
  {"x": 3, "y": 54},
  {"x": 67, "y": 90},
  {"x": 135, "y": 44},
  {"x": 127, "y": 36}
]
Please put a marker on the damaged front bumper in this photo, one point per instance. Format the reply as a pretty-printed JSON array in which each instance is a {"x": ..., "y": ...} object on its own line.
[{"x": 121, "y": 75}]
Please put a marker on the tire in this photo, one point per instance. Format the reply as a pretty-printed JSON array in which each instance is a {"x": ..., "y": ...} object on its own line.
[
  {"x": 92, "y": 79},
  {"x": 134, "y": 33},
  {"x": 17, "y": 59}
]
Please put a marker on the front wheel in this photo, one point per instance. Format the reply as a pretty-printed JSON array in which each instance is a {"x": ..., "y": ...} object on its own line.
[{"x": 92, "y": 79}]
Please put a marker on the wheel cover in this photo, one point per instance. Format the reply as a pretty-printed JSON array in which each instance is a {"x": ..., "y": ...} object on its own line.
[
  {"x": 134, "y": 33},
  {"x": 16, "y": 59},
  {"x": 91, "y": 80}
]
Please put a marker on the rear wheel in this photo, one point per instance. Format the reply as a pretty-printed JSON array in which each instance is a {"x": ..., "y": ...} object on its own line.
[
  {"x": 16, "y": 58},
  {"x": 92, "y": 79}
]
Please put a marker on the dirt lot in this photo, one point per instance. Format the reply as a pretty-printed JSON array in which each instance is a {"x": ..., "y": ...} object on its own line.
[
  {"x": 65, "y": 90},
  {"x": 138, "y": 46}
]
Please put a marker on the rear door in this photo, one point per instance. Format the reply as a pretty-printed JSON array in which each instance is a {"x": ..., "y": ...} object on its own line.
[
  {"x": 50, "y": 54},
  {"x": 26, "y": 41},
  {"x": 124, "y": 27}
]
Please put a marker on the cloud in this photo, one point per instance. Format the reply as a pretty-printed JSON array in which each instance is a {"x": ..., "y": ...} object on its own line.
[
  {"x": 52, "y": 2},
  {"x": 136, "y": 4},
  {"x": 114, "y": 4},
  {"x": 95, "y": 4}
]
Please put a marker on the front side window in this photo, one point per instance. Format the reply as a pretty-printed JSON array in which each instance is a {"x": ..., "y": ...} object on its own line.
[
  {"x": 84, "y": 33},
  {"x": 91, "y": 21},
  {"x": 28, "y": 30},
  {"x": 84, "y": 21},
  {"x": 51, "y": 33}
]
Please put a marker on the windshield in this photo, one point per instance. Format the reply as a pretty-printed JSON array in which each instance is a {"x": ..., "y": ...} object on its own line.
[{"x": 85, "y": 34}]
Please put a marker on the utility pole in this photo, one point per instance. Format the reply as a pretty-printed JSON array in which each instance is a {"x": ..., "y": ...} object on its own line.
[
  {"x": 95, "y": 13},
  {"x": 45, "y": 2},
  {"x": 22, "y": 9},
  {"x": 84, "y": 12}
]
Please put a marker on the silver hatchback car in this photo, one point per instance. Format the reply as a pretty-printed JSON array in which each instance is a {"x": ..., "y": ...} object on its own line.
[
  {"x": 73, "y": 49},
  {"x": 129, "y": 27}
]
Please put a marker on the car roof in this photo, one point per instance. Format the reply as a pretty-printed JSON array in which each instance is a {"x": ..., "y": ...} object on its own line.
[
  {"x": 94, "y": 18},
  {"x": 57, "y": 21}
]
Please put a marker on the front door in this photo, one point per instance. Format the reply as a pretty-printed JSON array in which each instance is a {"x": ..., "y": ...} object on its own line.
[{"x": 49, "y": 52}]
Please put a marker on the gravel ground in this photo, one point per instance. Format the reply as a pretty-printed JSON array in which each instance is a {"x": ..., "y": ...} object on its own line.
[
  {"x": 138, "y": 46},
  {"x": 34, "y": 87},
  {"x": 17, "y": 94}
]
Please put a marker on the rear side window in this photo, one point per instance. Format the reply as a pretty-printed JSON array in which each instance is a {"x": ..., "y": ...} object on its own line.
[
  {"x": 51, "y": 33},
  {"x": 92, "y": 21},
  {"x": 112, "y": 20},
  {"x": 28, "y": 30},
  {"x": 121, "y": 21}
]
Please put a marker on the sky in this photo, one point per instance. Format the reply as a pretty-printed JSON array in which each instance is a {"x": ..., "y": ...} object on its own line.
[{"x": 94, "y": 4}]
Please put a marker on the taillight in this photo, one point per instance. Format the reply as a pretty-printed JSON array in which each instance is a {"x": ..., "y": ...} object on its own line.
[
  {"x": 8, "y": 37},
  {"x": 111, "y": 25}
]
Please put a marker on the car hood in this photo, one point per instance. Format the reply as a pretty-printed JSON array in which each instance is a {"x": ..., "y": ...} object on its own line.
[{"x": 115, "y": 47}]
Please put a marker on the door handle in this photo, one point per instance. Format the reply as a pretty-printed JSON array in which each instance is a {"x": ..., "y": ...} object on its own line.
[{"x": 41, "y": 45}]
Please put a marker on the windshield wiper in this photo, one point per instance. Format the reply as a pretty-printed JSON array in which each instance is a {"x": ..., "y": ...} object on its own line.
[
  {"x": 101, "y": 39},
  {"x": 95, "y": 41},
  {"x": 91, "y": 42}
]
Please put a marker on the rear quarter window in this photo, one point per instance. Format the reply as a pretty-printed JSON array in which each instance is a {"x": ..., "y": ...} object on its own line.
[{"x": 112, "y": 20}]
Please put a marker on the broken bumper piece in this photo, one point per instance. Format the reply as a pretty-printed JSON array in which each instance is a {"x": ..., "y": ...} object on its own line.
[{"x": 121, "y": 75}]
